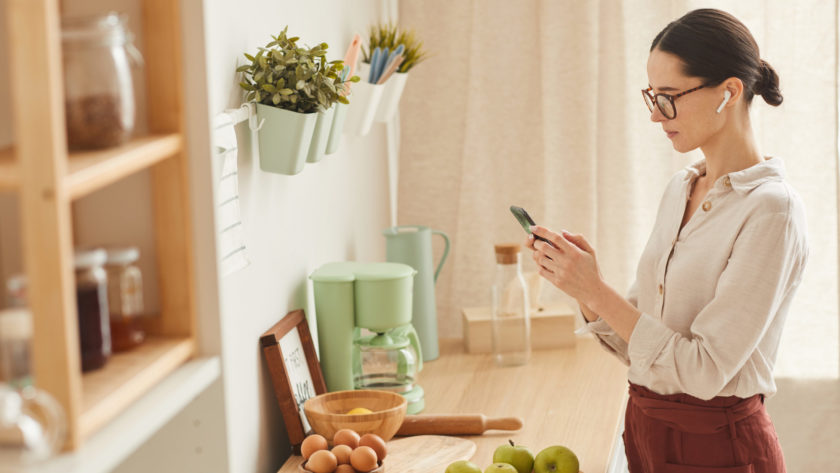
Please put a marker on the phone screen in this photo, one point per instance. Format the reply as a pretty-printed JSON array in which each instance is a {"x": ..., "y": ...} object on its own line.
[{"x": 525, "y": 220}]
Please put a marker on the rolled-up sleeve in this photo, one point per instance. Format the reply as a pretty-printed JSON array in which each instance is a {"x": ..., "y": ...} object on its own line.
[
  {"x": 762, "y": 270},
  {"x": 608, "y": 338}
]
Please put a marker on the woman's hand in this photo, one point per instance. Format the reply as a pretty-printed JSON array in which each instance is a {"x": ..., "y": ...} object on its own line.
[{"x": 570, "y": 264}]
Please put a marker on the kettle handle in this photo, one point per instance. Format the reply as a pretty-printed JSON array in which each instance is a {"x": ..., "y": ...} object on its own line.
[{"x": 445, "y": 252}]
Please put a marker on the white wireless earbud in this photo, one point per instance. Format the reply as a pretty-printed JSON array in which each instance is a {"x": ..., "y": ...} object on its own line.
[{"x": 726, "y": 96}]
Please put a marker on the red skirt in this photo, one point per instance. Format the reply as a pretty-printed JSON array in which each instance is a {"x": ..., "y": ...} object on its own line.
[{"x": 678, "y": 433}]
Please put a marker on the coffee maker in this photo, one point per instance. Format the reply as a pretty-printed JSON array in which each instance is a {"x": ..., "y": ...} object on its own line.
[{"x": 365, "y": 336}]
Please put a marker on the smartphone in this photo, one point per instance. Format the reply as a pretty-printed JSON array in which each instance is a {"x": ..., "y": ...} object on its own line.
[{"x": 526, "y": 221}]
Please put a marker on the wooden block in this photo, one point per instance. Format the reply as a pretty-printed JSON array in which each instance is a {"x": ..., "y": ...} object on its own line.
[{"x": 551, "y": 327}]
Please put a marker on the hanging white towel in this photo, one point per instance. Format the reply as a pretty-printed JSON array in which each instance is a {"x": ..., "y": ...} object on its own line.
[{"x": 231, "y": 235}]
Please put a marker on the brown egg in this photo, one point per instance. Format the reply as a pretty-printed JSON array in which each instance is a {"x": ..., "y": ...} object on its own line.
[
  {"x": 376, "y": 443},
  {"x": 322, "y": 461},
  {"x": 312, "y": 444},
  {"x": 363, "y": 459},
  {"x": 346, "y": 468},
  {"x": 342, "y": 453},
  {"x": 346, "y": 437}
]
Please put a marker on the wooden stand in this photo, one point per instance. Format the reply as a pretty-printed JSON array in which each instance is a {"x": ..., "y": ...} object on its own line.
[
  {"x": 48, "y": 179},
  {"x": 551, "y": 327}
]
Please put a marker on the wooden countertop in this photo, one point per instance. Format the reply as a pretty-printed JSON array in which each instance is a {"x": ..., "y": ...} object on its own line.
[{"x": 570, "y": 396}]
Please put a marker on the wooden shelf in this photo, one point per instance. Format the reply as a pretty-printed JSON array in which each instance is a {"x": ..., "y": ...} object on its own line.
[
  {"x": 88, "y": 171},
  {"x": 8, "y": 169},
  {"x": 91, "y": 170},
  {"x": 128, "y": 376},
  {"x": 106, "y": 449}
]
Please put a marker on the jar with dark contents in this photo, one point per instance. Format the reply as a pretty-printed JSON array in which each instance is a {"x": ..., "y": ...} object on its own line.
[
  {"x": 125, "y": 298},
  {"x": 92, "y": 304},
  {"x": 98, "y": 53}
]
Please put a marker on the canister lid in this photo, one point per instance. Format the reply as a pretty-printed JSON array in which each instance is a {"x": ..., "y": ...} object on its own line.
[
  {"x": 349, "y": 271},
  {"x": 89, "y": 257},
  {"x": 383, "y": 271},
  {"x": 123, "y": 255}
]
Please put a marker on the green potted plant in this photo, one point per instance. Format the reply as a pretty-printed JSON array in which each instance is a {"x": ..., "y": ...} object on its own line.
[
  {"x": 399, "y": 43},
  {"x": 295, "y": 89}
]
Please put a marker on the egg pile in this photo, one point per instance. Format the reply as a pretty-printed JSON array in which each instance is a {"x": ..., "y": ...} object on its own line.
[{"x": 351, "y": 453}]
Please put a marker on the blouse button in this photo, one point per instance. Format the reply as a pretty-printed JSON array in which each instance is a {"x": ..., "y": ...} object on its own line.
[
  {"x": 661, "y": 289},
  {"x": 727, "y": 182},
  {"x": 707, "y": 206}
]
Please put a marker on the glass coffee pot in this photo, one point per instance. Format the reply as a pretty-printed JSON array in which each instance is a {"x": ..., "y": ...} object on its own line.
[
  {"x": 390, "y": 361},
  {"x": 32, "y": 425}
]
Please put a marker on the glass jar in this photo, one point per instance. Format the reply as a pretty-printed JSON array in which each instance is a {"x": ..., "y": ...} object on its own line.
[
  {"x": 99, "y": 93},
  {"x": 92, "y": 303},
  {"x": 125, "y": 298},
  {"x": 16, "y": 289},
  {"x": 510, "y": 319},
  {"x": 16, "y": 335},
  {"x": 15, "y": 346}
]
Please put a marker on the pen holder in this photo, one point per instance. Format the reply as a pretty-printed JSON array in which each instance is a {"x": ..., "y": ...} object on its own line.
[
  {"x": 318, "y": 146},
  {"x": 391, "y": 96},
  {"x": 364, "y": 102}
]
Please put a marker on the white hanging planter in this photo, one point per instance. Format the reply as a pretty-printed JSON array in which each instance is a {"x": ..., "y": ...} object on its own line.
[
  {"x": 320, "y": 135},
  {"x": 337, "y": 127},
  {"x": 364, "y": 102},
  {"x": 390, "y": 101}
]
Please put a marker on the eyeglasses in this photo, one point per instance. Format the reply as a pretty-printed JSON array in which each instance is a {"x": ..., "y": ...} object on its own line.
[{"x": 665, "y": 102}]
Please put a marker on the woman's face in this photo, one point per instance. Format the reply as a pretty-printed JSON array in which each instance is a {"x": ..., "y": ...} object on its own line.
[{"x": 696, "y": 120}]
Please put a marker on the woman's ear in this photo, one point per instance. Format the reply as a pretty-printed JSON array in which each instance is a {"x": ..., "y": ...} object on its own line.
[{"x": 735, "y": 87}]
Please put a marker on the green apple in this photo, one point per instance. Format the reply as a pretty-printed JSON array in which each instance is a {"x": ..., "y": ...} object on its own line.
[
  {"x": 556, "y": 459},
  {"x": 463, "y": 466},
  {"x": 520, "y": 457},
  {"x": 500, "y": 468}
]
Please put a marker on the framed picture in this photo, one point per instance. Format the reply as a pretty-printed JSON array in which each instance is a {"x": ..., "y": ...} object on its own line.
[{"x": 295, "y": 371}]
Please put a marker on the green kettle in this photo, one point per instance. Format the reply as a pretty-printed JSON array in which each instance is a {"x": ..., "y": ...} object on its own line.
[{"x": 412, "y": 245}]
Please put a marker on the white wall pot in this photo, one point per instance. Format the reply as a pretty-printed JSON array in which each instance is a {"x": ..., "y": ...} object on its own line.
[
  {"x": 391, "y": 96},
  {"x": 337, "y": 127},
  {"x": 284, "y": 139},
  {"x": 320, "y": 135},
  {"x": 364, "y": 101}
]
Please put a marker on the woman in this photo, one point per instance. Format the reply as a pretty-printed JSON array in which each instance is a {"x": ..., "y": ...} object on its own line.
[{"x": 701, "y": 325}]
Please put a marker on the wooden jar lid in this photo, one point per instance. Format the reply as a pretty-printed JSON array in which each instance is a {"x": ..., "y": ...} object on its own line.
[{"x": 507, "y": 253}]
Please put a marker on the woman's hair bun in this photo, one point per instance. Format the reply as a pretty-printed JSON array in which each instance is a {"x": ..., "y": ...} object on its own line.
[{"x": 768, "y": 85}]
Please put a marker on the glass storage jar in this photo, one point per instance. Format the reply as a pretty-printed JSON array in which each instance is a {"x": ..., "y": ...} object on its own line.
[
  {"x": 510, "y": 317},
  {"x": 125, "y": 298},
  {"x": 99, "y": 93},
  {"x": 92, "y": 303},
  {"x": 16, "y": 335}
]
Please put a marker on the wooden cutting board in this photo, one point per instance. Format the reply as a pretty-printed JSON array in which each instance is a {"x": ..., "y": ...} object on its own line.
[{"x": 418, "y": 454}]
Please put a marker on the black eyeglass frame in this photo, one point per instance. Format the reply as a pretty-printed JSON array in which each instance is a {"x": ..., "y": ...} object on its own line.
[{"x": 650, "y": 100}]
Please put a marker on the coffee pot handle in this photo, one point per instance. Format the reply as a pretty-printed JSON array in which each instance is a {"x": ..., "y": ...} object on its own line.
[
  {"x": 445, "y": 252},
  {"x": 409, "y": 332}
]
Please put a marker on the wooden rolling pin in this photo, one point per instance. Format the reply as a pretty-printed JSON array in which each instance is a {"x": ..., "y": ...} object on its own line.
[{"x": 455, "y": 424}]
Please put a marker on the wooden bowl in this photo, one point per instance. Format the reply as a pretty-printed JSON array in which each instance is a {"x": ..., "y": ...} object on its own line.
[
  {"x": 379, "y": 469},
  {"x": 327, "y": 413}
]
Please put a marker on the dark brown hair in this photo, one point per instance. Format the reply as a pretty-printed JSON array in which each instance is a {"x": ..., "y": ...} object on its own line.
[{"x": 713, "y": 45}]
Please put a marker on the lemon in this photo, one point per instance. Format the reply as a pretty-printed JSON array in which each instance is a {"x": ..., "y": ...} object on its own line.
[{"x": 359, "y": 410}]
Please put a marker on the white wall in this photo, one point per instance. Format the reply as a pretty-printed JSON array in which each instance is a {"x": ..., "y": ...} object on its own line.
[{"x": 334, "y": 210}]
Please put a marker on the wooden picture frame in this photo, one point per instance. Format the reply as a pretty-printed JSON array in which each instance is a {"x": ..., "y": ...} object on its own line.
[{"x": 295, "y": 371}]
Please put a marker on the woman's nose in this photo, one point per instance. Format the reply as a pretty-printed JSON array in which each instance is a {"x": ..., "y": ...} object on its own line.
[{"x": 656, "y": 115}]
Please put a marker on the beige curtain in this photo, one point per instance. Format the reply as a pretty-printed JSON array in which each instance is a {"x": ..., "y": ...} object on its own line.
[{"x": 537, "y": 103}]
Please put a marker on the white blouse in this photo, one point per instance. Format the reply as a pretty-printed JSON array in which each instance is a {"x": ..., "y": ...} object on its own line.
[{"x": 714, "y": 296}]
